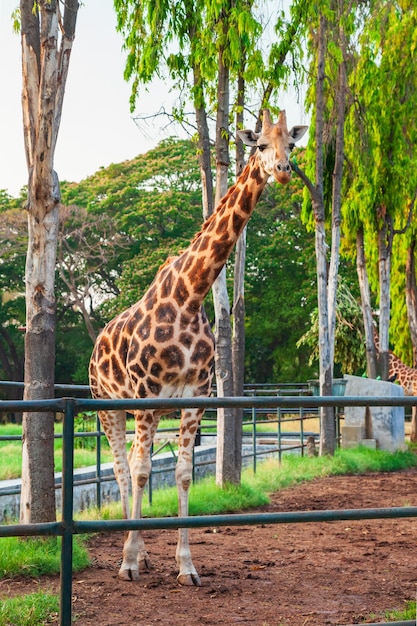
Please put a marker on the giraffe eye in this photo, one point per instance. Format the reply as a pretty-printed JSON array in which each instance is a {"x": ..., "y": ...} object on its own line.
[{"x": 262, "y": 147}]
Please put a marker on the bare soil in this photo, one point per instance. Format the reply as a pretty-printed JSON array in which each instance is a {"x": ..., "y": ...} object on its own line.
[{"x": 310, "y": 574}]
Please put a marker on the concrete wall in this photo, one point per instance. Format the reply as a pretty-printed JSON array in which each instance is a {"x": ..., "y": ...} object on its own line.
[{"x": 379, "y": 426}]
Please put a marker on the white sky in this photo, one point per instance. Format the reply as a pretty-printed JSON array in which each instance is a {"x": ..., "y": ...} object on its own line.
[{"x": 96, "y": 125}]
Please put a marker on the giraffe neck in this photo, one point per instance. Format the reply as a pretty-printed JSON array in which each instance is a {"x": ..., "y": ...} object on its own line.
[
  {"x": 401, "y": 373},
  {"x": 199, "y": 265}
]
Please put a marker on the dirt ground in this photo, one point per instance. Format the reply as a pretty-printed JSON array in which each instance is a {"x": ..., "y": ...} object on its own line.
[{"x": 310, "y": 574}]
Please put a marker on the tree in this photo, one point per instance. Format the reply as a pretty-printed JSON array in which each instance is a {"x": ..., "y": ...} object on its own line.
[
  {"x": 332, "y": 43},
  {"x": 47, "y": 36},
  {"x": 381, "y": 152},
  {"x": 143, "y": 209}
]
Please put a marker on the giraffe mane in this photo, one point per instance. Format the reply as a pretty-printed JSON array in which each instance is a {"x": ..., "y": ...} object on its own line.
[{"x": 169, "y": 260}]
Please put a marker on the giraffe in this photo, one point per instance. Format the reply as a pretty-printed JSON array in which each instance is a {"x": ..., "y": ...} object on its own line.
[
  {"x": 399, "y": 372},
  {"x": 163, "y": 345}
]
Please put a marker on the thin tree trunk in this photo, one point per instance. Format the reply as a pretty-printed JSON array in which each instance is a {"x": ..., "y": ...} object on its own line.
[
  {"x": 327, "y": 415},
  {"x": 238, "y": 339},
  {"x": 204, "y": 150},
  {"x": 371, "y": 356},
  {"x": 228, "y": 465},
  {"x": 45, "y": 60},
  {"x": 336, "y": 197},
  {"x": 384, "y": 300}
]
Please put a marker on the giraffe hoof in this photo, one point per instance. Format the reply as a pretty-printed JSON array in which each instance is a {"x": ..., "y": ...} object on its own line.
[
  {"x": 129, "y": 574},
  {"x": 189, "y": 580},
  {"x": 145, "y": 563}
]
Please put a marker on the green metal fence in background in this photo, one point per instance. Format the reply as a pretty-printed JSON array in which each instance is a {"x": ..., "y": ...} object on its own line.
[
  {"x": 277, "y": 441},
  {"x": 68, "y": 526}
]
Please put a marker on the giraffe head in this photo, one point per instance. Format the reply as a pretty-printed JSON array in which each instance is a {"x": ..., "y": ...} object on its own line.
[{"x": 273, "y": 145}]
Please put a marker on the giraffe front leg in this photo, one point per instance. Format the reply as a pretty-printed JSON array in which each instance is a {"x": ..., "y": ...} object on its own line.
[
  {"x": 135, "y": 556},
  {"x": 190, "y": 420}
]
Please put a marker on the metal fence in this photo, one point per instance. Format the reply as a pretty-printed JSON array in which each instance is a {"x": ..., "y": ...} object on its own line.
[
  {"x": 68, "y": 526},
  {"x": 276, "y": 441}
]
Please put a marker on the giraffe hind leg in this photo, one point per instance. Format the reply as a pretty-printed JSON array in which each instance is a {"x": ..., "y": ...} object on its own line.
[
  {"x": 114, "y": 426},
  {"x": 135, "y": 556}
]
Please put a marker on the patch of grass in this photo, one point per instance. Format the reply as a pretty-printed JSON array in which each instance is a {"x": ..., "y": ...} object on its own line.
[
  {"x": 11, "y": 453},
  {"x": 402, "y": 615},
  {"x": 37, "y": 557},
  {"x": 206, "y": 498},
  {"x": 10, "y": 460},
  {"x": 35, "y": 609},
  {"x": 295, "y": 469}
]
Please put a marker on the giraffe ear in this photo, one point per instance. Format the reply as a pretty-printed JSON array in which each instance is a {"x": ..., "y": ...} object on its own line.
[
  {"x": 249, "y": 137},
  {"x": 297, "y": 132}
]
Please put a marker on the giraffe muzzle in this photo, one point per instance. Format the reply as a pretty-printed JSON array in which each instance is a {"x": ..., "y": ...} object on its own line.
[{"x": 282, "y": 173}]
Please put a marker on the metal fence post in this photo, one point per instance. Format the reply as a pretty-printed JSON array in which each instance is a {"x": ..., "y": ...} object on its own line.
[
  {"x": 67, "y": 513},
  {"x": 98, "y": 462}
]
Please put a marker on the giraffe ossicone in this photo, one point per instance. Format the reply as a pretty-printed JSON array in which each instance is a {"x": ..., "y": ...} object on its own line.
[{"x": 163, "y": 345}]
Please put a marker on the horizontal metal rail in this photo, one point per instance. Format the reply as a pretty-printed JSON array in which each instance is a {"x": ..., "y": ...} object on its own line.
[
  {"x": 204, "y": 521},
  {"x": 246, "y": 519},
  {"x": 171, "y": 404}
]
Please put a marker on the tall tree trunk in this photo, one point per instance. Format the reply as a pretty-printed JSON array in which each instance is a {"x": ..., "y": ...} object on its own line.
[
  {"x": 45, "y": 59},
  {"x": 327, "y": 414},
  {"x": 340, "y": 97},
  {"x": 238, "y": 340},
  {"x": 228, "y": 466},
  {"x": 365, "y": 291}
]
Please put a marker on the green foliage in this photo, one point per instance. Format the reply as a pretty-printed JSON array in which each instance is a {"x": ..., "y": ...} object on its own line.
[
  {"x": 13, "y": 244},
  {"x": 349, "y": 343},
  {"x": 381, "y": 138},
  {"x": 181, "y": 38},
  {"x": 155, "y": 201},
  {"x": 36, "y": 609},
  {"x": 85, "y": 423}
]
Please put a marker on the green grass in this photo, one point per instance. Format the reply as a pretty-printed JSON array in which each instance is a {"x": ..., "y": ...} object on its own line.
[
  {"x": 295, "y": 469},
  {"x": 11, "y": 452},
  {"x": 35, "y": 609},
  {"x": 402, "y": 615},
  {"x": 36, "y": 557},
  {"x": 206, "y": 498},
  {"x": 33, "y": 558},
  {"x": 11, "y": 458}
]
